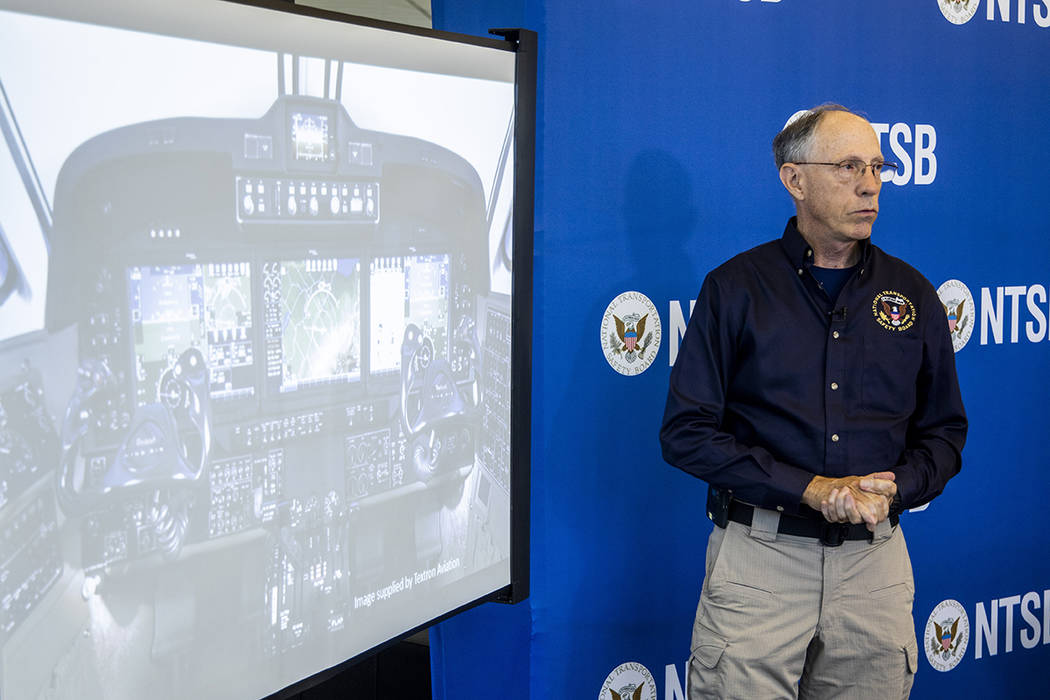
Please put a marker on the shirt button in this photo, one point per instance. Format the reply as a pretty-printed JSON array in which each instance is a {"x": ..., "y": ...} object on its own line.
[
  {"x": 800, "y": 271},
  {"x": 835, "y": 335},
  {"x": 780, "y": 508},
  {"x": 809, "y": 253},
  {"x": 834, "y": 386},
  {"x": 835, "y": 437}
]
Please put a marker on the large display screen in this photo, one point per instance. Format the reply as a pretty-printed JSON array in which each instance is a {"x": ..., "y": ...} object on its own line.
[{"x": 255, "y": 343}]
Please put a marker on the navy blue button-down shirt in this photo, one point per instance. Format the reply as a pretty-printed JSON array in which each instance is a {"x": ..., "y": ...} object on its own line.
[{"x": 775, "y": 382}]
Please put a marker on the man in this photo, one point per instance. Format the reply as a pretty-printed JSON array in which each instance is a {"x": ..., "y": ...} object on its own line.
[{"x": 815, "y": 391}]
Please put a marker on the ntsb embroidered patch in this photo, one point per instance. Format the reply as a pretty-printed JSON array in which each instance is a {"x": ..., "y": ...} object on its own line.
[{"x": 893, "y": 311}]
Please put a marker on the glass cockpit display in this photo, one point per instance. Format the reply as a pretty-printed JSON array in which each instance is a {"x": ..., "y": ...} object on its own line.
[
  {"x": 310, "y": 137},
  {"x": 314, "y": 309},
  {"x": 254, "y": 401},
  {"x": 410, "y": 290},
  {"x": 205, "y": 306}
]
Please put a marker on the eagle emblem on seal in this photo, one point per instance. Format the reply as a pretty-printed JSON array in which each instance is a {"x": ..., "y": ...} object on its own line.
[
  {"x": 946, "y": 638},
  {"x": 893, "y": 311},
  {"x": 628, "y": 693},
  {"x": 956, "y": 317},
  {"x": 630, "y": 339}
]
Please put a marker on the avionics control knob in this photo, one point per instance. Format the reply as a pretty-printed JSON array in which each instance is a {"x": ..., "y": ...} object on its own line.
[
  {"x": 293, "y": 204},
  {"x": 333, "y": 205},
  {"x": 314, "y": 206},
  {"x": 249, "y": 205}
]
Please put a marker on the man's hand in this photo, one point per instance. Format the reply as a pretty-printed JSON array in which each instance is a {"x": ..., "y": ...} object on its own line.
[
  {"x": 880, "y": 482},
  {"x": 852, "y": 499}
]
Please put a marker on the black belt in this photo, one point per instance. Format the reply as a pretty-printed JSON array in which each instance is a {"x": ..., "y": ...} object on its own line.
[{"x": 829, "y": 534}]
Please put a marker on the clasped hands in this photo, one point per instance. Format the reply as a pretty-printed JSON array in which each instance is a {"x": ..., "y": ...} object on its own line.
[{"x": 852, "y": 499}]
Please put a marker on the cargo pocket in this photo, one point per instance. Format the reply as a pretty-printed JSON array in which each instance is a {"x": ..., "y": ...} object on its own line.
[
  {"x": 912, "y": 656},
  {"x": 911, "y": 661},
  {"x": 706, "y": 677},
  {"x": 709, "y": 652}
]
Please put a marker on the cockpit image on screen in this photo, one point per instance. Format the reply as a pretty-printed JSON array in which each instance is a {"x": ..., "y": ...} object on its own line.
[
  {"x": 202, "y": 306},
  {"x": 315, "y": 307},
  {"x": 257, "y": 416}
]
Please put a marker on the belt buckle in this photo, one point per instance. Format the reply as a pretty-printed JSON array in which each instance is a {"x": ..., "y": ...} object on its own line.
[{"x": 833, "y": 534}]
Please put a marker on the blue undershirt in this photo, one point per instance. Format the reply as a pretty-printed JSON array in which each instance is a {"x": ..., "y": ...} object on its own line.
[{"x": 832, "y": 279}]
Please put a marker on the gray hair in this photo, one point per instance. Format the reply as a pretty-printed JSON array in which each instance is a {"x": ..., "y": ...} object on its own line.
[{"x": 793, "y": 142}]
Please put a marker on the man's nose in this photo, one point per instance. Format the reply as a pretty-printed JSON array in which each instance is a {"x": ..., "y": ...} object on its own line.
[{"x": 870, "y": 181}]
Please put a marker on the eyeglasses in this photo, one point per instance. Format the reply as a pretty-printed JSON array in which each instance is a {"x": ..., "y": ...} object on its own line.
[{"x": 854, "y": 169}]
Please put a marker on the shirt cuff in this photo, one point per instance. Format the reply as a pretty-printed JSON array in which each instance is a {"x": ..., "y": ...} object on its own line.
[{"x": 786, "y": 496}]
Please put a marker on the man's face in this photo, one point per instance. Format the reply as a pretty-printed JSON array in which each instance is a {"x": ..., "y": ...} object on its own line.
[{"x": 836, "y": 209}]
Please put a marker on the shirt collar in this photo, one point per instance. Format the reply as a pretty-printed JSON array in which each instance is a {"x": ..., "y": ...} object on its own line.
[{"x": 801, "y": 253}]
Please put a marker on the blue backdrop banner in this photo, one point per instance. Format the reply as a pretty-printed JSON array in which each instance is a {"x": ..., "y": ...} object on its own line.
[{"x": 654, "y": 166}]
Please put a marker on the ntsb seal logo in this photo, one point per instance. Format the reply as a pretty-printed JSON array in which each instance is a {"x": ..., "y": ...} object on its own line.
[
  {"x": 960, "y": 309},
  {"x": 630, "y": 334},
  {"x": 958, "y": 11},
  {"x": 629, "y": 681},
  {"x": 893, "y": 311},
  {"x": 947, "y": 634}
]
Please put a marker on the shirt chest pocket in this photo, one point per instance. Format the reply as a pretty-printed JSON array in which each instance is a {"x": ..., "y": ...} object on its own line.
[{"x": 890, "y": 374}]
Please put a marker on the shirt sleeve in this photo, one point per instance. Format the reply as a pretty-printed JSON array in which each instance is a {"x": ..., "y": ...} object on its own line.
[
  {"x": 691, "y": 436},
  {"x": 937, "y": 429}
]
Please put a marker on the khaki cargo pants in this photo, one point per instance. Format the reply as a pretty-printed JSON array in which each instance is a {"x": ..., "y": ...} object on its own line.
[{"x": 782, "y": 616}]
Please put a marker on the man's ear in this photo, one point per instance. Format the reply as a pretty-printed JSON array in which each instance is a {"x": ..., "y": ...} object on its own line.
[{"x": 791, "y": 177}]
